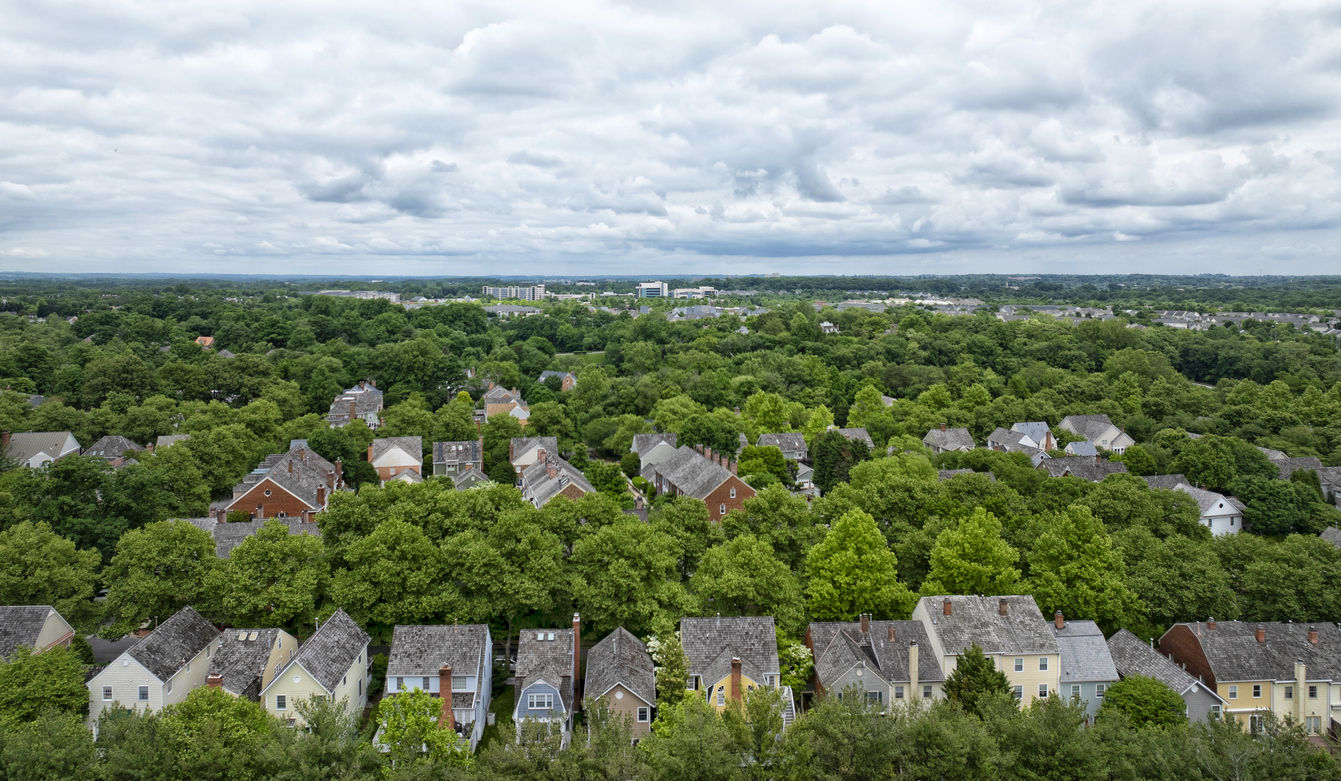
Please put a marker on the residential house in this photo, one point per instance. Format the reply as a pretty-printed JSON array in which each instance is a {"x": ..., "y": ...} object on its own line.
[
  {"x": 946, "y": 474},
  {"x": 524, "y": 451},
  {"x": 1087, "y": 666},
  {"x": 547, "y": 674},
  {"x": 167, "y": 440},
  {"x": 792, "y": 445},
  {"x": 888, "y": 401},
  {"x": 228, "y": 536},
  {"x": 620, "y": 671},
  {"x": 858, "y": 434},
  {"x": 1273, "y": 455},
  {"x": 885, "y": 659},
  {"x": 805, "y": 481},
  {"x": 1011, "y": 441},
  {"x": 206, "y": 342},
  {"x": 1332, "y": 535},
  {"x": 1290, "y": 669},
  {"x": 247, "y": 660},
  {"x": 1132, "y": 656},
  {"x": 453, "y": 458},
  {"x": 159, "y": 670},
  {"x": 332, "y": 663},
  {"x": 36, "y": 627},
  {"x": 296, "y": 484},
  {"x": 1221, "y": 514},
  {"x": 945, "y": 440},
  {"x": 361, "y": 402},
  {"x": 470, "y": 478},
  {"x": 1086, "y": 449},
  {"x": 112, "y": 448},
  {"x": 1010, "y": 630},
  {"x": 704, "y": 475},
  {"x": 1039, "y": 434},
  {"x": 552, "y": 476},
  {"x": 1093, "y": 470},
  {"x": 567, "y": 380},
  {"x": 35, "y": 448},
  {"x": 827, "y": 327},
  {"x": 1329, "y": 477},
  {"x": 1166, "y": 482},
  {"x": 451, "y": 662},
  {"x": 1099, "y": 431},
  {"x": 506, "y": 311},
  {"x": 501, "y": 401},
  {"x": 392, "y": 456},
  {"x": 729, "y": 656},
  {"x": 652, "y": 449}
]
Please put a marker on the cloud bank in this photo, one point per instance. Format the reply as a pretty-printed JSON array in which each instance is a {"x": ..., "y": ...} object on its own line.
[{"x": 633, "y": 137}]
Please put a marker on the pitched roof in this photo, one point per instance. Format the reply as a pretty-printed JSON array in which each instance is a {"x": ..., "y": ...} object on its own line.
[
  {"x": 470, "y": 450},
  {"x": 520, "y": 445},
  {"x": 550, "y": 373},
  {"x": 621, "y": 658},
  {"x": 692, "y": 473},
  {"x": 751, "y": 638},
  {"x": 241, "y": 660},
  {"x": 645, "y": 442},
  {"x": 21, "y": 625},
  {"x": 1037, "y": 431},
  {"x": 1289, "y": 466},
  {"x": 470, "y": 475},
  {"x": 423, "y": 650},
  {"x": 1090, "y": 427},
  {"x": 1234, "y": 654},
  {"x": 978, "y": 620},
  {"x": 1207, "y": 500},
  {"x": 840, "y": 645},
  {"x": 547, "y": 660},
  {"x": 1084, "y": 654},
  {"x": 413, "y": 446},
  {"x": 366, "y": 397},
  {"x": 228, "y": 536},
  {"x": 332, "y": 649},
  {"x": 24, "y": 445},
  {"x": 300, "y": 471},
  {"x": 175, "y": 642},
  {"x": 1005, "y": 438},
  {"x": 1083, "y": 467},
  {"x": 170, "y": 439},
  {"x": 1332, "y": 535},
  {"x": 111, "y": 447},
  {"x": 1273, "y": 455},
  {"x": 950, "y": 438},
  {"x": 1085, "y": 448},
  {"x": 1131, "y": 656},
  {"x": 945, "y": 474},
  {"x": 1166, "y": 482},
  {"x": 540, "y": 487},
  {"x": 784, "y": 442},
  {"x": 852, "y": 434}
]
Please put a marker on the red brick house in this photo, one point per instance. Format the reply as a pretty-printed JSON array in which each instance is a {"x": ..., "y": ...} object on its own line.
[
  {"x": 707, "y": 476},
  {"x": 296, "y": 484},
  {"x": 550, "y": 476}
]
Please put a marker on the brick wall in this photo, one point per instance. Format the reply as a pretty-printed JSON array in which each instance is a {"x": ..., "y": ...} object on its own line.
[
  {"x": 279, "y": 501},
  {"x": 1182, "y": 645},
  {"x": 721, "y": 495}
]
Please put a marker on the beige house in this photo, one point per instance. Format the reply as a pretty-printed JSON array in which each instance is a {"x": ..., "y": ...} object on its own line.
[
  {"x": 37, "y": 627},
  {"x": 248, "y": 659},
  {"x": 164, "y": 667},
  {"x": 620, "y": 671},
  {"x": 1099, "y": 431},
  {"x": 1010, "y": 630},
  {"x": 332, "y": 663}
]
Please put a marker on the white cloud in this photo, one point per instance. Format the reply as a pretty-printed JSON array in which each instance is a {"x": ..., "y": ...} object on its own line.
[{"x": 692, "y": 137}]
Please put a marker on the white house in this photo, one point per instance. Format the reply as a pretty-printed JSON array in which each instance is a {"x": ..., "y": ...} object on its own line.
[
  {"x": 332, "y": 663},
  {"x": 1099, "y": 431},
  {"x": 164, "y": 667},
  {"x": 455, "y": 659},
  {"x": 35, "y": 448}
]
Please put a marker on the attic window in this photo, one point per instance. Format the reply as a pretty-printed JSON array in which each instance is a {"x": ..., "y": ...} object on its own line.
[
  {"x": 551, "y": 636},
  {"x": 242, "y": 635},
  {"x": 267, "y": 492},
  {"x": 252, "y": 636}
]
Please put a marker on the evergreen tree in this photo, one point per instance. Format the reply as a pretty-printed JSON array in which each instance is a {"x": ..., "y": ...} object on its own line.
[{"x": 975, "y": 680}]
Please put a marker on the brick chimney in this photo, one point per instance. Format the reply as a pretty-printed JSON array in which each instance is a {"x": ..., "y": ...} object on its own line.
[
  {"x": 370, "y": 447},
  {"x": 339, "y": 472},
  {"x": 448, "y": 719},
  {"x": 321, "y": 496},
  {"x": 4, "y": 438},
  {"x": 733, "y": 466},
  {"x": 577, "y": 661},
  {"x": 865, "y": 623},
  {"x": 551, "y": 469},
  {"x": 942, "y": 427},
  {"x": 1210, "y": 622},
  {"x": 735, "y": 678},
  {"x": 707, "y": 453},
  {"x": 1001, "y": 606},
  {"x": 891, "y": 633},
  {"x": 1261, "y": 633},
  {"x": 699, "y": 449},
  {"x": 1312, "y": 636},
  {"x": 1058, "y": 621},
  {"x": 1098, "y": 459},
  {"x": 372, "y": 383},
  {"x": 353, "y": 411},
  {"x": 290, "y": 466},
  {"x": 945, "y": 608},
  {"x": 912, "y": 670},
  {"x": 214, "y": 681}
]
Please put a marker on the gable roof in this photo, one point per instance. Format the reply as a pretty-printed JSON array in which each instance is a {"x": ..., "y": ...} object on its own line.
[
  {"x": 692, "y": 473},
  {"x": 950, "y": 438},
  {"x": 645, "y": 442},
  {"x": 1083, "y": 467},
  {"x": 241, "y": 659},
  {"x": 978, "y": 620},
  {"x": 1332, "y": 535},
  {"x": 1005, "y": 438},
  {"x": 852, "y": 434},
  {"x": 300, "y": 471},
  {"x": 471, "y": 475},
  {"x": 840, "y": 645},
  {"x": 621, "y": 658},
  {"x": 1090, "y": 427},
  {"x": 21, "y": 625},
  {"x": 228, "y": 536},
  {"x": 1037, "y": 431},
  {"x": 367, "y": 399},
  {"x": 550, "y": 373},
  {"x": 540, "y": 487},
  {"x": 1272, "y": 455},
  {"x": 751, "y": 638},
  {"x": 1085, "y": 448},
  {"x": 170, "y": 439},
  {"x": 1234, "y": 654},
  {"x": 1289, "y": 466},
  {"x": 1083, "y": 652},
  {"x": 423, "y": 649},
  {"x": 174, "y": 643},
  {"x": 945, "y": 474},
  {"x": 413, "y": 446},
  {"x": 1207, "y": 500},
  {"x": 24, "y": 445},
  {"x": 784, "y": 442},
  {"x": 520, "y": 445},
  {"x": 111, "y": 447},
  {"x": 331, "y": 650},
  {"x": 1131, "y": 656},
  {"x": 1166, "y": 482},
  {"x": 547, "y": 660},
  {"x": 468, "y": 450}
]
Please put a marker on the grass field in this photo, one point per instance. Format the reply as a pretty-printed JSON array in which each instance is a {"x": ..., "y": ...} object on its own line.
[{"x": 501, "y": 707}]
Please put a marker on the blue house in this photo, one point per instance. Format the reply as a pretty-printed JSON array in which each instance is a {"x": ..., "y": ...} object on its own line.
[
  {"x": 546, "y": 677},
  {"x": 1087, "y": 665}
]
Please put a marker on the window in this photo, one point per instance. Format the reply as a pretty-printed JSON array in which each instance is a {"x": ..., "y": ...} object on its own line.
[
  {"x": 1313, "y": 692},
  {"x": 1019, "y": 665},
  {"x": 1254, "y": 724},
  {"x": 1215, "y": 711},
  {"x": 1075, "y": 691},
  {"x": 400, "y": 684},
  {"x": 1019, "y": 692},
  {"x": 540, "y": 702},
  {"x": 721, "y": 696},
  {"x": 876, "y": 697},
  {"x": 426, "y": 680},
  {"x": 1233, "y": 692},
  {"x": 926, "y": 692},
  {"x": 1313, "y": 724},
  {"x": 267, "y": 492},
  {"x": 458, "y": 683},
  {"x": 1042, "y": 663},
  {"x": 1099, "y": 689},
  {"x": 144, "y": 694},
  {"x": 1257, "y": 690},
  {"x": 1042, "y": 690},
  {"x": 643, "y": 715},
  {"x": 721, "y": 508},
  {"x": 107, "y": 694},
  {"x": 733, "y": 493},
  {"x": 169, "y": 687},
  {"x": 360, "y": 687},
  {"x": 898, "y": 692},
  {"x": 1289, "y": 692},
  {"x": 281, "y": 702}
]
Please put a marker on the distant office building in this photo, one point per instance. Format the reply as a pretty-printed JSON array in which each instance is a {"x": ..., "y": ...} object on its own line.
[
  {"x": 652, "y": 290},
  {"x": 527, "y": 293},
  {"x": 695, "y": 292}
]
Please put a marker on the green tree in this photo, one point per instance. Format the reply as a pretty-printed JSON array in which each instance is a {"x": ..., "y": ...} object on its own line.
[
  {"x": 834, "y": 457},
  {"x": 54, "y": 747},
  {"x": 408, "y": 726},
  {"x": 610, "y": 481},
  {"x": 742, "y": 577},
  {"x": 626, "y": 576},
  {"x": 1074, "y": 568},
  {"x": 175, "y": 475},
  {"x": 1145, "y": 702},
  {"x": 157, "y": 570},
  {"x": 975, "y": 681},
  {"x": 499, "y": 432},
  {"x": 853, "y": 571},
  {"x": 672, "y": 666},
  {"x": 688, "y": 522},
  {"x": 211, "y": 723},
  {"x": 455, "y": 420},
  {"x": 844, "y": 738},
  {"x": 392, "y": 576},
  {"x": 1275, "y": 506},
  {"x": 694, "y": 743},
  {"x": 777, "y": 517},
  {"x": 271, "y": 579},
  {"x": 37, "y": 567},
  {"x": 972, "y": 558},
  {"x": 36, "y": 683}
]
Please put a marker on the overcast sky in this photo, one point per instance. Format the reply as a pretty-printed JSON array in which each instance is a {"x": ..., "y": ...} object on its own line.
[{"x": 582, "y": 137}]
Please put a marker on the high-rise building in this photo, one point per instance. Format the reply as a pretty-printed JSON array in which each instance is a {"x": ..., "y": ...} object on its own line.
[{"x": 525, "y": 293}]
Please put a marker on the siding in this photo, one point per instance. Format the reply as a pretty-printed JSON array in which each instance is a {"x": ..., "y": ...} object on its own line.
[
  {"x": 54, "y": 630},
  {"x": 1029, "y": 678},
  {"x": 539, "y": 687},
  {"x": 353, "y": 689},
  {"x": 625, "y": 703},
  {"x": 125, "y": 680}
]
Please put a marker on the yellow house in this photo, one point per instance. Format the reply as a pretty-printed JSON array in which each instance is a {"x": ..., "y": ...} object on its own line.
[
  {"x": 332, "y": 663},
  {"x": 731, "y": 656},
  {"x": 1010, "y": 630},
  {"x": 248, "y": 660}
]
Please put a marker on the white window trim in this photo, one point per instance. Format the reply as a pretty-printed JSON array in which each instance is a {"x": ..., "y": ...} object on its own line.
[
  {"x": 281, "y": 702},
  {"x": 107, "y": 694}
]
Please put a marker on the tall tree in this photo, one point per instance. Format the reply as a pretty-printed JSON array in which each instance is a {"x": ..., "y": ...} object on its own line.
[
  {"x": 157, "y": 570},
  {"x": 973, "y": 559},
  {"x": 1145, "y": 702},
  {"x": 975, "y": 680},
  {"x": 271, "y": 579},
  {"x": 853, "y": 571},
  {"x": 32, "y": 684},
  {"x": 744, "y": 578},
  {"x": 626, "y": 576},
  {"x": 393, "y": 576},
  {"x": 38, "y": 567},
  {"x": 1074, "y": 568}
]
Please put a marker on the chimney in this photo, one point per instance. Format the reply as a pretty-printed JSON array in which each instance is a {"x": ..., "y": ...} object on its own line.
[
  {"x": 4, "y": 438},
  {"x": 339, "y": 471},
  {"x": 733, "y": 467},
  {"x": 551, "y": 469},
  {"x": 699, "y": 449},
  {"x": 1312, "y": 636},
  {"x": 1210, "y": 623},
  {"x": 891, "y": 633},
  {"x": 353, "y": 411},
  {"x": 1001, "y": 606},
  {"x": 577, "y": 660},
  {"x": 912, "y": 671},
  {"x": 946, "y": 607},
  {"x": 372, "y": 383},
  {"x": 1261, "y": 633},
  {"x": 370, "y": 447},
  {"x": 290, "y": 466},
  {"x": 1057, "y": 620},
  {"x": 865, "y": 623},
  {"x": 707, "y": 453},
  {"x": 735, "y": 678},
  {"x": 321, "y": 496},
  {"x": 214, "y": 681},
  {"x": 942, "y": 427},
  {"x": 448, "y": 719},
  {"x": 1098, "y": 459}
]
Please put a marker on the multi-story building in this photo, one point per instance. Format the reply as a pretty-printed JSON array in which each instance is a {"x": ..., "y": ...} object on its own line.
[
  {"x": 518, "y": 292},
  {"x": 652, "y": 290},
  {"x": 451, "y": 662},
  {"x": 1010, "y": 630},
  {"x": 882, "y": 658},
  {"x": 729, "y": 656}
]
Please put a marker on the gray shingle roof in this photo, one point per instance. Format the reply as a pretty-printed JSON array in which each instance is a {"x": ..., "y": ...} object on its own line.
[
  {"x": 300, "y": 471},
  {"x": 784, "y": 442},
  {"x": 1166, "y": 482},
  {"x": 241, "y": 660},
  {"x": 540, "y": 487},
  {"x": 228, "y": 536},
  {"x": 1036, "y": 430},
  {"x": 457, "y": 451},
  {"x": 20, "y": 625},
  {"x": 645, "y": 442},
  {"x": 1083, "y": 467},
  {"x": 945, "y": 474},
  {"x": 520, "y": 445},
  {"x": 24, "y": 445},
  {"x": 413, "y": 446},
  {"x": 1332, "y": 535},
  {"x": 950, "y": 438},
  {"x": 547, "y": 660},
  {"x": 858, "y": 433},
  {"x": 1131, "y": 656},
  {"x": 170, "y": 439},
  {"x": 550, "y": 373},
  {"x": 1082, "y": 449},
  {"x": 1274, "y": 455},
  {"x": 112, "y": 447},
  {"x": 1004, "y": 438},
  {"x": 1090, "y": 427},
  {"x": 1207, "y": 500},
  {"x": 332, "y": 649},
  {"x": 839, "y": 645},
  {"x": 1234, "y": 654},
  {"x": 1289, "y": 466},
  {"x": 1084, "y": 654},
  {"x": 692, "y": 473},
  {"x": 423, "y": 650},
  {"x": 621, "y": 658},
  {"x": 367, "y": 399},
  {"x": 978, "y": 620},
  {"x": 175, "y": 642},
  {"x": 752, "y": 638}
]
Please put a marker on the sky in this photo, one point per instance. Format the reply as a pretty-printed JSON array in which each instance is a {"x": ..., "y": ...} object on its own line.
[{"x": 586, "y": 137}]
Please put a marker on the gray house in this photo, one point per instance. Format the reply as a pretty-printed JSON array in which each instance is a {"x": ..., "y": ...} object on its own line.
[
  {"x": 620, "y": 671},
  {"x": 247, "y": 660},
  {"x": 882, "y": 658},
  {"x": 455, "y": 659},
  {"x": 112, "y": 448},
  {"x": 1131, "y": 656},
  {"x": 546, "y": 676},
  {"x": 944, "y": 440},
  {"x": 793, "y": 446},
  {"x": 1087, "y": 667}
]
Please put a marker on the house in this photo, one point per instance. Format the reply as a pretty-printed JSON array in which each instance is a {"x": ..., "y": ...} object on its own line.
[
  {"x": 1010, "y": 630},
  {"x": 112, "y": 448},
  {"x": 159, "y": 670},
  {"x": 228, "y": 536},
  {"x": 888, "y": 401},
  {"x": 247, "y": 660},
  {"x": 547, "y": 674},
  {"x": 470, "y": 478},
  {"x": 392, "y": 456},
  {"x": 644, "y": 443},
  {"x": 552, "y": 476},
  {"x": 1093, "y": 470},
  {"x": 167, "y": 440},
  {"x": 501, "y": 401},
  {"x": 883, "y": 658},
  {"x": 1086, "y": 449},
  {"x": 1290, "y": 669},
  {"x": 1273, "y": 455},
  {"x": 1166, "y": 482},
  {"x": 652, "y": 449},
  {"x": 945, "y": 474},
  {"x": 1012, "y": 441},
  {"x": 620, "y": 671},
  {"x": 1132, "y": 656},
  {"x": 361, "y": 402},
  {"x": 805, "y": 480},
  {"x": 945, "y": 440},
  {"x": 1332, "y": 535},
  {"x": 332, "y": 663},
  {"x": 1221, "y": 514},
  {"x": 792, "y": 445},
  {"x": 454, "y": 458},
  {"x": 36, "y": 627},
  {"x": 1099, "y": 431},
  {"x": 855, "y": 434},
  {"x": 511, "y": 310},
  {"x": 1087, "y": 666},
  {"x": 1329, "y": 477},
  {"x": 455, "y": 659},
  {"x": 567, "y": 380},
  {"x": 1039, "y": 434},
  {"x": 296, "y": 484},
  {"x": 827, "y": 327},
  {"x": 731, "y": 655},
  {"x": 35, "y": 448},
  {"x": 702, "y": 474},
  {"x": 524, "y": 451}
]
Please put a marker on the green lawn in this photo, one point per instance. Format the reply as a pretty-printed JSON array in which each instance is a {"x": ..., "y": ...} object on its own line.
[{"x": 501, "y": 707}]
